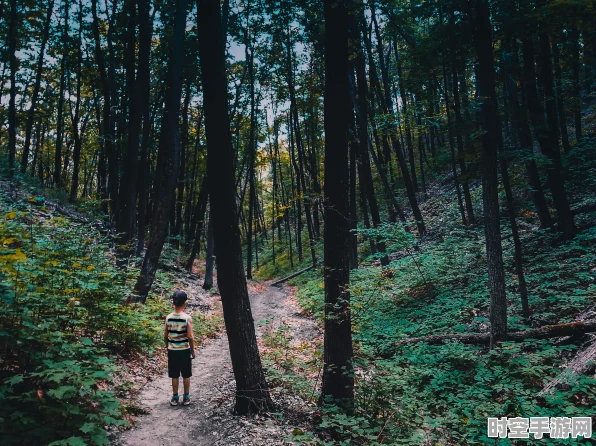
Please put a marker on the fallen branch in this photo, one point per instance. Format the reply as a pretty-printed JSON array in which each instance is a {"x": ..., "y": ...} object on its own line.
[
  {"x": 546, "y": 332},
  {"x": 585, "y": 208},
  {"x": 291, "y": 276},
  {"x": 579, "y": 365}
]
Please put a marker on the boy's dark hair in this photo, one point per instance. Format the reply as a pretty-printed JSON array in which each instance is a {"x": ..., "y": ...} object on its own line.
[{"x": 178, "y": 298}]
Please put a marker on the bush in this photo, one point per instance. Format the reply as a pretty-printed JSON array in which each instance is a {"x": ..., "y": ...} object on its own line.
[{"x": 62, "y": 320}]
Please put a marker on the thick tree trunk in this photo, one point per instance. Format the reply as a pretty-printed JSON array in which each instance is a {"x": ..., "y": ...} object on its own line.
[
  {"x": 168, "y": 158},
  {"x": 338, "y": 380},
  {"x": 252, "y": 393},
  {"x": 491, "y": 124}
]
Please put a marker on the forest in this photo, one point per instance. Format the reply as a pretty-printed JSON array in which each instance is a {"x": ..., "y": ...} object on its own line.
[{"x": 383, "y": 213}]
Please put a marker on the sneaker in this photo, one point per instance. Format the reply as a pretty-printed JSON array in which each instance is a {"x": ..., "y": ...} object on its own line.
[
  {"x": 174, "y": 401},
  {"x": 186, "y": 400}
]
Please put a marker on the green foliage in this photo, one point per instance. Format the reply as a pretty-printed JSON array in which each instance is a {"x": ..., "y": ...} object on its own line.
[
  {"x": 62, "y": 321},
  {"x": 432, "y": 394}
]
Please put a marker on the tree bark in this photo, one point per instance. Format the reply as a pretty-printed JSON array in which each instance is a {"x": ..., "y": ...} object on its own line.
[
  {"x": 491, "y": 124},
  {"x": 252, "y": 393},
  {"x": 338, "y": 381}
]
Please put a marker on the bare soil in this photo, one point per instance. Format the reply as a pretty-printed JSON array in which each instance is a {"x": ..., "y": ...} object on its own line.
[{"x": 209, "y": 420}]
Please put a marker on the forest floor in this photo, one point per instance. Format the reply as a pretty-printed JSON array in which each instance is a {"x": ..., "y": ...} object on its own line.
[{"x": 209, "y": 420}]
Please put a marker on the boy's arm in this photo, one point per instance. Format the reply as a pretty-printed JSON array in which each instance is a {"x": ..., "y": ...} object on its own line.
[
  {"x": 191, "y": 337},
  {"x": 165, "y": 333}
]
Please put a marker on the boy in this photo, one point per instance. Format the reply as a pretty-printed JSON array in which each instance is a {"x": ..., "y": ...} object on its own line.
[{"x": 180, "y": 342}]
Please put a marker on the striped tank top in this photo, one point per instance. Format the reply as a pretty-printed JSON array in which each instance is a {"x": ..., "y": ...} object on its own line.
[{"x": 177, "y": 324}]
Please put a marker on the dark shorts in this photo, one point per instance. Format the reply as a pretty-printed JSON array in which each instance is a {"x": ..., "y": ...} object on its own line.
[{"x": 179, "y": 363}]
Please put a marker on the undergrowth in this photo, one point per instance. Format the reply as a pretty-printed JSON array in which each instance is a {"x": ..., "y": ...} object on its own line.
[
  {"x": 442, "y": 394},
  {"x": 62, "y": 323}
]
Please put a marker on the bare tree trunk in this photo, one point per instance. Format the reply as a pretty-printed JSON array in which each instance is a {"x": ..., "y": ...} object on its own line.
[
  {"x": 338, "y": 380},
  {"x": 491, "y": 124},
  {"x": 252, "y": 393}
]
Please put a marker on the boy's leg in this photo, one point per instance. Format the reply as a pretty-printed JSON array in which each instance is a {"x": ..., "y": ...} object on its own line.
[
  {"x": 175, "y": 382},
  {"x": 186, "y": 383}
]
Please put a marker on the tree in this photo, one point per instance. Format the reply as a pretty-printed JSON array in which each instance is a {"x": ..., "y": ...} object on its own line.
[
  {"x": 491, "y": 126},
  {"x": 252, "y": 392},
  {"x": 168, "y": 158},
  {"x": 12, "y": 107},
  {"x": 338, "y": 379},
  {"x": 35, "y": 95}
]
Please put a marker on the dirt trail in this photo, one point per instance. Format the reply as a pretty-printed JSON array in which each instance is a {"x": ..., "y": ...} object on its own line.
[{"x": 208, "y": 420}]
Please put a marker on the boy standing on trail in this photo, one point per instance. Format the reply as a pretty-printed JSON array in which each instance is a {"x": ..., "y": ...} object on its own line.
[{"x": 180, "y": 342}]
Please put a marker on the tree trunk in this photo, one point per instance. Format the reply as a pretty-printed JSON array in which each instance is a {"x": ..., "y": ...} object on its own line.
[
  {"x": 338, "y": 380},
  {"x": 143, "y": 84},
  {"x": 353, "y": 238},
  {"x": 519, "y": 115},
  {"x": 128, "y": 185},
  {"x": 108, "y": 127},
  {"x": 460, "y": 202},
  {"x": 36, "y": 87},
  {"x": 60, "y": 117},
  {"x": 491, "y": 124},
  {"x": 577, "y": 110},
  {"x": 249, "y": 54},
  {"x": 546, "y": 139},
  {"x": 252, "y": 393},
  {"x": 364, "y": 168},
  {"x": 562, "y": 114},
  {"x": 198, "y": 223},
  {"x": 12, "y": 107},
  {"x": 459, "y": 126},
  {"x": 168, "y": 158},
  {"x": 76, "y": 118}
]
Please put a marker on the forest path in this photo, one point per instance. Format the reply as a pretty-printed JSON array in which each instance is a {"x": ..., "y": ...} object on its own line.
[{"x": 208, "y": 420}]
